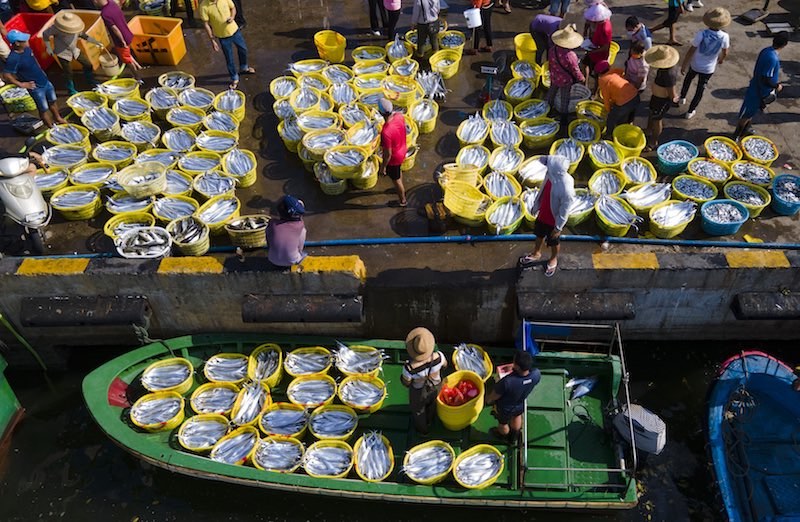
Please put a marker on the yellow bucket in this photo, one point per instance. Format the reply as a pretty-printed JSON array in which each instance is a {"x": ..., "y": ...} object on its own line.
[
  {"x": 525, "y": 47},
  {"x": 754, "y": 210},
  {"x": 330, "y": 46},
  {"x": 212, "y": 157},
  {"x": 144, "y": 115},
  {"x": 456, "y": 418},
  {"x": 391, "y": 460},
  {"x": 513, "y": 100},
  {"x": 168, "y": 425},
  {"x": 271, "y": 439},
  {"x": 430, "y": 444},
  {"x": 272, "y": 379},
  {"x": 629, "y": 139},
  {"x": 275, "y": 406},
  {"x": 210, "y": 377},
  {"x": 186, "y": 199},
  {"x": 238, "y": 112},
  {"x": 211, "y": 386},
  {"x": 219, "y": 227},
  {"x": 613, "y": 50},
  {"x": 595, "y": 125},
  {"x": 95, "y": 97},
  {"x": 331, "y": 444},
  {"x": 209, "y": 417},
  {"x": 83, "y": 142},
  {"x": 737, "y": 150},
  {"x": 750, "y": 157},
  {"x": 99, "y": 153},
  {"x": 332, "y": 407},
  {"x": 305, "y": 378},
  {"x": 446, "y": 70},
  {"x": 487, "y": 362},
  {"x": 319, "y": 350},
  {"x": 661, "y": 231},
  {"x": 142, "y": 219},
  {"x": 365, "y": 378},
  {"x": 86, "y": 211},
  {"x": 480, "y": 448},
  {"x": 235, "y": 433}
]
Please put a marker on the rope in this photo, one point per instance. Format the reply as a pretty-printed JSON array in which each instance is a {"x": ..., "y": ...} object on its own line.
[{"x": 143, "y": 336}]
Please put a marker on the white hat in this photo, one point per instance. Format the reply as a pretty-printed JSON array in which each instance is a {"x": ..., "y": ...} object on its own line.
[{"x": 597, "y": 13}]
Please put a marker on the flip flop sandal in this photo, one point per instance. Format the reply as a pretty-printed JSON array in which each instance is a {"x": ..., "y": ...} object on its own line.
[
  {"x": 529, "y": 260},
  {"x": 551, "y": 270},
  {"x": 249, "y": 70}
]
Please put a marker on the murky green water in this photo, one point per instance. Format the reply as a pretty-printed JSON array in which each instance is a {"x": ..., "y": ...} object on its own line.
[{"x": 61, "y": 466}]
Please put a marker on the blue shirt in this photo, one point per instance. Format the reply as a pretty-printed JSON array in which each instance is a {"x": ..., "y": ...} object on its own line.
[
  {"x": 513, "y": 389},
  {"x": 766, "y": 72},
  {"x": 25, "y": 67}
]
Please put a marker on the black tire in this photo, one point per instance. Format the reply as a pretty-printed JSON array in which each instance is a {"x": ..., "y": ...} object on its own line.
[{"x": 37, "y": 241}]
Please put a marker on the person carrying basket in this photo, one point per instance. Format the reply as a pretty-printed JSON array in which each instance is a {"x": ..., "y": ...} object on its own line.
[{"x": 61, "y": 41}]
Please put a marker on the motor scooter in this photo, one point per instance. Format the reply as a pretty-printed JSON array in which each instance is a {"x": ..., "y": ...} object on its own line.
[{"x": 22, "y": 200}]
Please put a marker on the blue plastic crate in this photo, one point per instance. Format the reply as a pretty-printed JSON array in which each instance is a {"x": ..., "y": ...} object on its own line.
[{"x": 722, "y": 229}]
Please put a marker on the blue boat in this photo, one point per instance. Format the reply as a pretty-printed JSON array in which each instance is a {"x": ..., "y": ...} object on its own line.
[{"x": 754, "y": 438}]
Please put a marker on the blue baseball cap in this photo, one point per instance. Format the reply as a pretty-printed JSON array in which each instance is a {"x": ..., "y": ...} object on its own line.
[
  {"x": 15, "y": 36},
  {"x": 291, "y": 207}
]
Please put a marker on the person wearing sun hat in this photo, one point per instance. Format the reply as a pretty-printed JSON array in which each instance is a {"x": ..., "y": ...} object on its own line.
[
  {"x": 709, "y": 48},
  {"x": 620, "y": 96},
  {"x": 61, "y": 41},
  {"x": 599, "y": 32},
  {"x": 422, "y": 375},
  {"x": 664, "y": 59},
  {"x": 564, "y": 70}
]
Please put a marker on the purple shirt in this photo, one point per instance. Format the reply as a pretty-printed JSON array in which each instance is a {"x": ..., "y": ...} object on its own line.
[
  {"x": 113, "y": 16},
  {"x": 545, "y": 24},
  {"x": 286, "y": 240}
]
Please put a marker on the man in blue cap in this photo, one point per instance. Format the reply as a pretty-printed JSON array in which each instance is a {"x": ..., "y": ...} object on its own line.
[
  {"x": 23, "y": 71},
  {"x": 286, "y": 236}
]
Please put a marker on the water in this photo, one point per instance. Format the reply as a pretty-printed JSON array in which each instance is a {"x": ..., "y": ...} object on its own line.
[{"x": 62, "y": 467}]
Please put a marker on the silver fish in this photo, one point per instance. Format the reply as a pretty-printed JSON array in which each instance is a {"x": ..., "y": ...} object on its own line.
[
  {"x": 746, "y": 195},
  {"x": 637, "y": 171},
  {"x": 372, "y": 98},
  {"x": 312, "y": 121},
  {"x": 310, "y": 393},
  {"x": 311, "y": 81},
  {"x": 278, "y": 455},
  {"x": 378, "y": 67},
  {"x": 266, "y": 364},
  {"x": 337, "y": 74},
  {"x": 709, "y": 170},
  {"x": 306, "y": 66},
  {"x": 235, "y": 449},
  {"x": 183, "y": 117},
  {"x": 723, "y": 213},
  {"x": 201, "y": 433},
  {"x": 787, "y": 189},
  {"x": 423, "y": 111},
  {"x": 432, "y": 85},
  {"x": 534, "y": 110},
  {"x": 471, "y": 358},
  {"x": 105, "y": 152},
  {"x": 676, "y": 153},
  {"x": 584, "y": 131},
  {"x": 361, "y": 394},
  {"x": 51, "y": 179},
  {"x": 604, "y": 152},
  {"x": 253, "y": 397},
  {"x": 179, "y": 140},
  {"x": 570, "y": 149},
  {"x": 230, "y": 100},
  {"x": 200, "y": 99},
  {"x": 306, "y": 98},
  {"x": 226, "y": 369},
  {"x": 156, "y": 411},
  {"x": 81, "y": 100},
  {"x": 497, "y": 110},
  {"x": 521, "y": 88},
  {"x": 115, "y": 89},
  {"x": 217, "y": 143},
  {"x": 214, "y": 400},
  {"x": 346, "y": 158},
  {"x": 648, "y": 194},
  {"x": 615, "y": 213},
  {"x": 753, "y": 173},
  {"x": 693, "y": 188},
  {"x": 325, "y": 103},
  {"x": 176, "y": 183},
  {"x": 477, "y": 469},
  {"x": 291, "y": 131},
  {"x": 451, "y": 40},
  {"x": 161, "y": 98},
  {"x": 523, "y": 69},
  {"x": 178, "y": 80},
  {"x": 325, "y": 140},
  {"x": 397, "y": 49},
  {"x": 363, "y": 82},
  {"x": 187, "y": 230},
  {"x": 367, "y": 54},
  {"x": 305, "y": 363},
  {"x": 352, "y": 114},
  {"x": 92, "y": 175},
  {"x": 541, "y": 129},
  {"x": 720, "y": 150},
  {"x": 365, "y": 134},
  {"x": 165, "y": 157},
  {"x": 674, "y": 214},
  {"x": 14, "y": 93},
  {"x": 173, "y": 208},
  {"x": 214, "y": 183},
  {"x": 252, "y": 223},
  {"x": 193, "y": 162},
  {"x": 343, "y": 93},
  {"x": 129, "y": 107},
  {"x": 353, "y": 361},
  {"x": 101, "y": 118},
  {"x": 327, "y": 461},
  {"x": 506, "y": 160},
  {"x": 164, "y": 377},
  {"x": 123, "y": 227},
  {"x": 425, "y": 463},
  {"x": 505, "y": 133},
  {"x": 222, "y": 121},
  {"x": 606, "y": 183},
  {"x": 125, "y": 203},
  {"x": 474, "y": 155},
  {"x": 219, "y": 211},
  {"x": 405, "y": 67},
  {"x": 65, "y": 134},
  {"x": 505, "y": 215},
  {"x": 138, "y": 132},
  {"x": 74, "y": 198},
  {"x": 112, "y": 185},
  {"x": 332, "y": 423},
  {"x": 238, "y": 163},
  {"x": 529, "y": 197},
  {"x": 759, "y": 149},
  {"x": 284, "y": 421},
  {"x": 145, "y": 242},
  {"x": 474, "y": 130},
  {"x": 583, "y": 201},
  {"x": 498, "y": 185},
  {"x": 373, "y": 458}
]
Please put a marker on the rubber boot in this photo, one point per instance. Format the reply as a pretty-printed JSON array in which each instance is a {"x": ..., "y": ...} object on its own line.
[
  {"x": 71, "y": 87},
  {"x": 90, "y": 79}
]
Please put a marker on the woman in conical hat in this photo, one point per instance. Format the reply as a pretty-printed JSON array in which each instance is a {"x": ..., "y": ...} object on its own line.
[{"x": 664, "y": 59}]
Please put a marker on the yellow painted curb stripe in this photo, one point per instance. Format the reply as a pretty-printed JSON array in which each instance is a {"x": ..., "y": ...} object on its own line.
[
  {"x": 350, "y": 264},
  {"x": 190, "y": 265},
  {"x": 35, "y": 267},
  {"x": 757, "y": 259},
  {"x": 643, "y": 261}
]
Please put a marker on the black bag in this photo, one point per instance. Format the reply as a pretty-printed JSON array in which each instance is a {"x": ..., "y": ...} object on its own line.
[
  {"x": 27, "y": 124},
  {"x": 769, "y": 98}
]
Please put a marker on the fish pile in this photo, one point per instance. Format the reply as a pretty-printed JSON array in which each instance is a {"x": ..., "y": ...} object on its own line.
[
  {"x": 365, "y": 134},
  {"x": 529, "y": 198},
  {"x": 432, "y": 85},
  {"x": 496, "y": 110},
  {"x": 165, "y": 157},
  {"x": 723, "y": 213},
  {"x": 343, "y": 93},
  {"x": 218, "y": 143},
  {"x": 533, "y": 171},
  {"x": 675, "y": 153},
  {"x": 177, "y": 81},
  {"x": 745, "y": 194},
  {"x": 613, "y": 211},
  {"x": 534, "y": 110},
  {"x": 506, "y": 159},
  {"x": 399, "y": 87},
  {"x": 222, "y": 121},
  {"x": 214, "y": 400},
  {"x": 180, "y": 116},
  {"x": 80, "y": 100},
  {"x": 306, "y": 66},
  {"x": 337, "y": 74},
  {"x": 74, "y": 198},
  {"x": 540, "y": 129},
  {"x": 145, "y": 242},
  {"x": 604, "y": 153},
  {"x": 759, "y": 148},
  {"x": 469, "y": 357},
  {"x": 92, "y": 175},
  {"x": 226, "y": 369},
  {"x": 397, "y": 49},
  {"x": 291, "y": 131},
  {"x": 523, "y": 69},
  {"x": 425, "y": 463},
  {"x": 310, "y": 393},
  {"x": 198, "y": 163},
  {"x": 498, "y": 185},
  {"x": 201, "y": 99},
  {"x": 674, "y": 214},
  {"x": 709, "y": 170},
  {"x": 235, "y": 450},
  {"x": 478, "y": 468},
  {"x": 65, "y": 134},
  {"x": 752, "y": 173},
  {"x": 250, "y": 403},
  {"x": 50, "y": 179},
  {"x": 282, "y": 108},
  {"x": 474, "y": 155},
  {"x": 312, "y": 121},
  {"x": 179, "y": 140},
  {"x": 605, "y": 183},
  {"x": 278, "y": 455},
  {"x": 364, "y": 54},
  {"x": 372, "y": 459},
  {"x": 164, "y": 377},
  {"x": 306, "y": 363},
  {"x": 266, "y": 364},
  {"x": 405, "y": 67},
  {"x": 101, "y": 118},
  {"x": 332, "y": 423},
  {"x": 237, "y": 163},
  {"x": 720, "y": 150},
  {"x": 569, "y": 149},
  {"x": 344, "y": 158},
  {"x": 474, "y": 129},
  {"x": 520, "y": 88},
  {"x": 201, "y": 433},
  {"x": 173, "y": 208},
  {"x": 284, "y": 421},
  {"x": 637, "y": 171},
  {"x": 115, "y": 90},
  {"x": 583, "y": 201},
  {"x": 138, "y": 132},
  {"x": 155, "y": 411},
  {"x": 693, "y": 188},
  {"x": 328, "y": 461},
  {"x": 115, "y": 153},
  {"x": 313, "y": 82},
  {"x": 219, "y": 211},
  {"x": 505, "y": 215},
  {"x": 584, "y": 131},
  {"x": 161, "y": 98},
  {"x": 305, "y": 98},
  {"x": 352, "y": 361},
  {"x": 787, "y": 189},
  {"x": 504, "y": 132},
  {"x": 361, "y": 394},
  {"x": 352, "y": 114},
  {"x": 378, "y": 67},
  {"x": 188, "y": 231},
  {"x": 423, "y": 111},
  {"x": 214, "y": 183},
  {"x": 131, "y": 108},
  {"x": 126, "y": 203},
  {"x": 648, "y": 194},
  {"x": 451, "y": 40}
]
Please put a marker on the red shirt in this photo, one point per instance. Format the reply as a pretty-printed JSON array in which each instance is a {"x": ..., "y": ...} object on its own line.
[
  {"x": 545, "y": 212},
  {"x": 601, "y": 37},
  {"x": 393, "y": 136}
]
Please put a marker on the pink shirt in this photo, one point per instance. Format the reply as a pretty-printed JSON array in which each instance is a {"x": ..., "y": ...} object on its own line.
[
  {"x": 391, "y": 5},
  {"x": 601, "y": 37},
  {"x": 562, "y": 63},
  {"x": 286, "y": 240},
  {"x": 393, "y": 136}
]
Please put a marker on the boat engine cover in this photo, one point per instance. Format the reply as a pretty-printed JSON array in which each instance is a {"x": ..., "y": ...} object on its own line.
[{"x": 650, "y": 431}]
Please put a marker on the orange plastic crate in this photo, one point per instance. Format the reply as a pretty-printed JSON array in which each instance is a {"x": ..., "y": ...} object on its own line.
[{"x": 157, "y": 40}]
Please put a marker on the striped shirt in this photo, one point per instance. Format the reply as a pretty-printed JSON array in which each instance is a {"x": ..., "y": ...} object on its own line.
[{"x": 431, "y": 369}]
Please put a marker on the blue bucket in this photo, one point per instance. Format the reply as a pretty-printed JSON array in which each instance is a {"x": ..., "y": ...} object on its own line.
[
  {"x": 781, "y": 206},
  {"x": 669, "y": 168},
  {"x": 722, "y": 229}
]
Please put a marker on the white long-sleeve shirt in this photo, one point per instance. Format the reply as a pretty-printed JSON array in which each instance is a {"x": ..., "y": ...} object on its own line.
[{"x": 562, "y": 190}]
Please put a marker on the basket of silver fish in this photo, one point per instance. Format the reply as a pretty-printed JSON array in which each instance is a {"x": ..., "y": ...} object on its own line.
[
  {"x": 310, "y": 360},
  {"x": 525, "y": 69},
  {"x": 183, "y": 116},
  {"x": 429, "y": 462},
  {"x": 217, "y": 211},
  {"x": 232, "y": 102},
  {"x": 445, "y": 62},
  {"x": 723, "y": 217},
  {"x": 604, "y": 155},
  {"x": 722, "y": 149},
  {"x": 122, "y": 202},
  {"x": 179, "y": 139},
  {"x": 69, "y": 134},
  {"x": 51, "y": 180},
  {"x": 222, "y": 121},
  {"x": 265, "y": 364},
  {"x": 645, "y": 196},
  {"x": 337, "y": 74},
  {"x": 498, "y": 185},
  {"x": 329, "y": 184},
  {"x": 168, "y": 158},
  {"x": 213, "y": 183},
  {"x": 94, "y": 174},
  {"x": 173, "y": 374},
  {"x": 118, "y": 153},
  {"x": 178, "y": 183},
  {"x": 518, "y": 90},
  {"x": 404, "y": 67},
  {"x": 711, "y": 169},
  {"x": 397, "y": 49},
  {"x": 279, "y": 454},
  {"x": 77, "y": 202},
  {"x": 759, "y": 149},
  {"x": 121, "y": 223},
  {"x": 119, "y": 88},
  {"x": 473, "y": 358},
  {"x": 531, "y": 110},
  {"x": 670, "y": 218},
  {"x": 754, "y": 173},
  {"x": 473, "y": 130},
  {"x": 497, "y": 110},
  {"x": 370, "y": 67},
  {"x": 539, "y": 134},
  {"x": 353, "y": 113},
  {"x": 358, "y": 360},
  {"x": 190, "y": 235},
  {"x": 102, "y": 122},
  {"x": 333, "y": 422},
  {"x": 363, "y": 393},
  {"x": 284, "y": 419},
  {"x": 637, "y": 170},
  {"x": 410, "y": 159},
  {"x": 368, "y": 53},
  {"x": 585, "y": 131},
  {"x": 248, "y": 231},
  {"x": 369, "y": 176},
  {"x": 216, "y": 141},
  {"x": 528, "y": 198},
  {"x": 318, "y": 141},
  {"x": 132, "y": 109},
  {"x": 197, "y": 163},
  {"x": 402, "y": 90},
  {"x": 425, "y": 113},
  {"x": 143, "y": 134},
  {"x": 345, "y": 161},
  {"x": 505, "y": 133},
  {"x": 240, "y": 164},
  {"x": 317, "y": 120},
  {"x": 673, "y": 157},
  {"x": 302, "y": 67},
  {"x": 374, "y": 458},
  {"x": 314, "y": 80},
  {"x": 343, "y": 94},
  {"x": 176, "y": 80},
  {"x": 582, "y": 207},
  {"x": 754, "y": 198},
  {"x": 786, "y": 194},
  {"x": 695, "y": 189},
  {"x": 615, "y": 216},
  {"x": 236, "y": 447},
  {"x": 197, "y": 98},
  {"x": 328, "y": 459},
  {"x": 84, "y": 101},
  {"x": 169, "y": 208},
  {"x": 474, "y": 155},
  {"x": 365, "y": 134},
  {"x": 504, "y": 216},
  {"x": 453, "y": 40},
  {"x": 311, "y": 391},
  {"x": 478, "y": 467},
  {"x": 161, "y": 100},
  {"x": 144, "y": 243},
  {"x": 143, "y": 179},
  {"x": 570, "y": 149},
  {"x": 290, "y": 133},
  {"x": 158, "y": 411},
  {"x": 532, "y": 171},
  {"x": 200, "y": 433},
  {"x": 253, "y": 399},
  {"x": 607, "y": 182}
]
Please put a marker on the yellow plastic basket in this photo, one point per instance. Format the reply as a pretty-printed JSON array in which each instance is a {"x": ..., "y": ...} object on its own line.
[
  {"x": 308, "y": 350},
  {"x": 480, "y": 448},
  {"x": 498, "y": 106},
  {"x": 301, "y": 120},
  {"x": 99, "y": 153},
  {"x": 317, "y": 153},
  {"x": 737, "y": 151},
  {"x": 677, "y": 194},
  {"x": 167, "y": 139},
  {"x": 477, "y": 141},
  {"x": 579, "y": 217},
  {"x": 574, "y": 165},
  {"x": 234, "y": 140},
  {"x": 510, "y": 172},
  {"x": 291, "y": 145},
  {"x": 360, "y": 349},
  {"x": 250, "y": 238},
  {"x": 754, "y": 210},
  {"x": 369, "y": 54},
  {"x": 462, "y": 198},
  {"x": 165, "y": 79},
  {"x": 400, "y": 98},
  {"x": 621, "y": 180},
  {"x": 114, "y": 198},
  {"x": 370, "y": 67},
  {"x": 231, "y": 355},
  {"x": 643, "y": 211},
  {"x": 747, "y": 155},
  {"x": 456, "y": 172},
  {"x": 506, "y": 230},
  {"x": 234, "y": 433},
  {"x": 438, "y": 62},
  {"x": 735, "y": 167},
  {"x": 240, "y": 398},
  {"x": 409, "y": 50},
  {"x": 461, "y": 161},
  {"x": 142, "y": 116},
  {"x": 661, "y": 231},
  {"x": 199, "y": 113},
  {"x": 142, "y": 146},
  {"x": 186, "y": 199},
  {"x": 196, "y": 248},
  {"x": 127, "y": 176},
  {"x": 181, "y": 388},
  {"x": 237, "y": 113},
  {"x": 345, "y": 171},
  {"x": 410, "y": 159},
  {"x": 272, "y": 379},
  {"x": 487, "y": 362},
  {"x": 184, "y": 97},
  {"x": 205, "y": 418},
  {"x": 158, "y": 110},
  {"x": 332, "y": 407},
  {"x": 593, "y": 123},
  {"x": 525, "y": 47},
  {"x": 361, "y": 475},
  {"x": 83, "y": 142},
  {"x": 514, "y": 100},
  {"x": 83, "y": 212},
  {"x": 539, "y": 142},
  {"x": 120, "y": 88},
  {"x": 276, "y": 438},
  {"x": 142, "y": 219},
  {"x": 331, "y": 444},
  {"x": 599, "y": 164},
  {"x": 645, "y": 162},
  {"x": 282, "y": 406},
  {"x": 169, "y": 425},
  {"x": 199, "y": 154},
  {"x": 456, "y": 418},
  {"x": 426, "y": 126},
  {"x": 613, "y": 229},
  {"x": 310, "y": 65},
  {"x": 365, "y": 378},
  {"x": 524, "y": 105},
  {"x": 536, "y": 68},
  {"x": 629, "y": 139},
  {"x": 210, "y": 386},
  {"x": 218, "y": 227},
  {"x": 692, "y": 170},
  {"x": 306, "y": 378},
  {"x": 456, "y": 34},
  {"x": 75, "y": 173},
  {"x": 94, "y": 97},
  {"x": 430, "y": 444}
]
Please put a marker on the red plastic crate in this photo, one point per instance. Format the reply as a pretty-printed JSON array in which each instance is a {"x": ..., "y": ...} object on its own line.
[{"x": 32, "y": 23}]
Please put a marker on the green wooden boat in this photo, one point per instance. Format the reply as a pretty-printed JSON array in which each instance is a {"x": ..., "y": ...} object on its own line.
[
  {"x": 10, "y": 411},
  {"x": 567, "y": 459}
]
